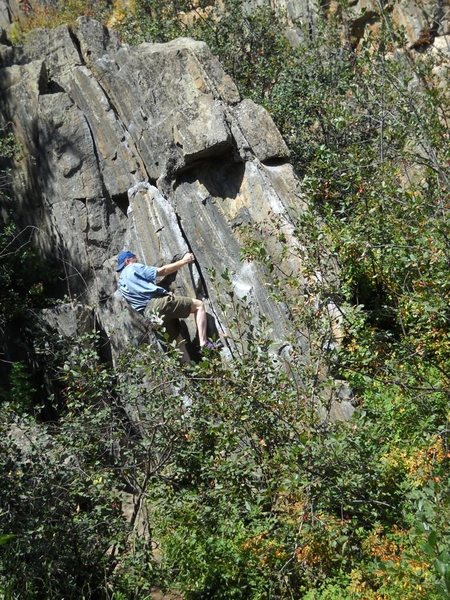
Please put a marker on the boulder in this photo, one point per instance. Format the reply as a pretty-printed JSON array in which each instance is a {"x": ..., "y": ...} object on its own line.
[
  {"x": 98, "y": 117},
  {"x": 250, "y": 119},
  {"x": 150, "y": 148}
]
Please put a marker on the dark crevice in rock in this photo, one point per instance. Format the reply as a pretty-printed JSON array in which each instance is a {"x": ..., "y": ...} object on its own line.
[
  {"x": 221, "y": 176},
  {"x": 104, "y": 344},
  {"x": 76, "y": 43},
  {"x": 220, "y": 151},
  {"x": 242, "y": 219},
  {"x": 274, "y": 161},
  {"x": 122, "y": 202},
  {"x": 43, "y": 80},
  {"x": 4, "y": 38},
  {"x": 53, "y": 87},
  {"x": 7, "y": 57},
  {"x": 97, "y": 158}
]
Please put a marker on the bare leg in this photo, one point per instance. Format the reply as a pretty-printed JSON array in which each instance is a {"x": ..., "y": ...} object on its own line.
[{"x": 198, "y": 309}]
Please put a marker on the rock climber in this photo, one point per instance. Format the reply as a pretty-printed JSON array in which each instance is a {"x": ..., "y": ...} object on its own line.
[{"x": 137, "y": 284}]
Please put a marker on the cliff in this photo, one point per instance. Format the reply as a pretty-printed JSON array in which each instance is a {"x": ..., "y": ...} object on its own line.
[{"x": 94, "y": 119}]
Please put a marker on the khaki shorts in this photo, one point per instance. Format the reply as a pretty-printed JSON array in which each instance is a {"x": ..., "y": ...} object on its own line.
[{"x": 169, "y": 307}]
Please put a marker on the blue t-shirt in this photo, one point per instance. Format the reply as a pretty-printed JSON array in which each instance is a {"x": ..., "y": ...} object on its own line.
[{"x": 137, "y": 285}]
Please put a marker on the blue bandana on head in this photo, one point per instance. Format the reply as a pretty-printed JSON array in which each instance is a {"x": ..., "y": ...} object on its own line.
[{"x": 122, "y": 258}]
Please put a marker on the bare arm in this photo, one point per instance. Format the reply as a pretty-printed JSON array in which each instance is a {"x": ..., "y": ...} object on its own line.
[{"x": 175, "y": 266}]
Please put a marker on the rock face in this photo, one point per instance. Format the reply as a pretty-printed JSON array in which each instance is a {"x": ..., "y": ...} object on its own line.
[
  {"x": 96, "y": 118},
  {"x": 151, "y": 149}
]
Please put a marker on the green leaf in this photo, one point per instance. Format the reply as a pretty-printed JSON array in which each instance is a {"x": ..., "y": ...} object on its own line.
[
  {"x": 6, "y": 537},
  {"x": 442, "y": 568}
]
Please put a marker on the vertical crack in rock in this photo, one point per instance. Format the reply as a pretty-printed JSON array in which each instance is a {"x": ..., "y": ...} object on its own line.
[
  {"x": 96, "y": 154},
  {"x": 157, "y": 229},
  {"x": 201, "y": 287},
  {"x": 158, "y": 235},
  {"x": 77, "y": 45}
]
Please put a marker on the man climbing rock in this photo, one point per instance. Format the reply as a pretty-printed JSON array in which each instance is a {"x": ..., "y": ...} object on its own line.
[{"x": 137, "y": 284}]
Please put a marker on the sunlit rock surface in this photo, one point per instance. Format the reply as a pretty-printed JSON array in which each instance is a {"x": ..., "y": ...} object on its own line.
[{"x": 151, "y": 149}]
